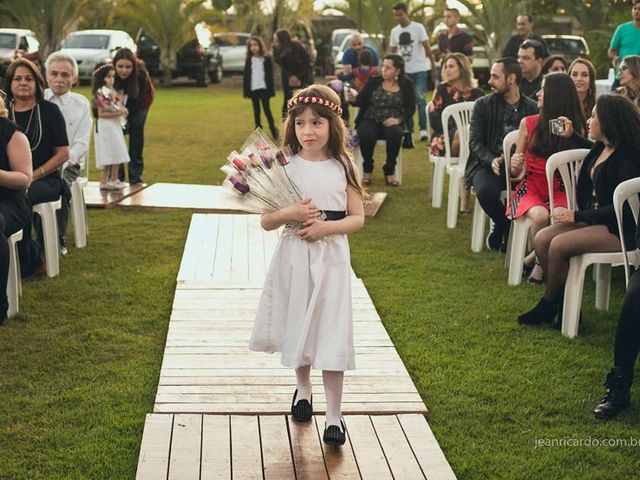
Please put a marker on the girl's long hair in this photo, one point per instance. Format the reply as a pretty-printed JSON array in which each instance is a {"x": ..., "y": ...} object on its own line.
[
  {"x": 336, "y": 146},
  {"x": 263, "y": 49},
  {"x": 619, "y": 122},
  {"x": 590, "y": 99},
  {"x": 632, "y": 92},
  {"x": 99, "y": 74},
  {"x": 560, "y": 99},
  {"x": 284, "y": 37},
  {"x": 130, "y": 84}
]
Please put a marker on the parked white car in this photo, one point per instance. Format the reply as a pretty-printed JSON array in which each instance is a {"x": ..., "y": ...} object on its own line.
[
  {"x": 18, "y": 42},
  {"x": 233, "y": 47},
  {"x": 90, "y": 47}
]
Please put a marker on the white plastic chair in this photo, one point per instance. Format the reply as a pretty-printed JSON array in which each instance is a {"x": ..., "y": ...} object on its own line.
[
  {"x": 568, "y": 164},
  {"x": 456, "y": 175},
  {"x": 627, "y": 191},
  {"x": 461, "y": 112},
  {"x": 79, "y": 212},
  {"x": 479, "y": 216},
  {"x": 433, "y": 159},
  {"x": 578, "y": 264},
  {"x": 47, "y": 212},
  {"x": 14, "y": 284}
]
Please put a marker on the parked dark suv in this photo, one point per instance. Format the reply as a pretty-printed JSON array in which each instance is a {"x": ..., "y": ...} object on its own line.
[{"x": 196, "y": 59}]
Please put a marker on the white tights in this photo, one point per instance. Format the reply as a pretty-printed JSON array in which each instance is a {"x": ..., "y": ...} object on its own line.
[{"x": 333, "y": 382}]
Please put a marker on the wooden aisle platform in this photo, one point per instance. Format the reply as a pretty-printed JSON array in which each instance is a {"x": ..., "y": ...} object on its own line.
[
  {"x": 94, "y": 197},
  {"x": 276, "y": 448},
  {"x": 210, "y": 379}
]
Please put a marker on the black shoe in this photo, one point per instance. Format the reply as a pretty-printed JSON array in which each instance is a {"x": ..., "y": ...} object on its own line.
[
  {"x": 618, "y": 396},
  {"x": 494, "y": 239},
  {"x": 303, "y": 410},
  {"x": 333, "y": 435},
  {"x": 543, "y": 312},
  {"x": 505, "y": 238},
  {"x": 274, "y": 133},
  {"x": 63, "y": 246}
]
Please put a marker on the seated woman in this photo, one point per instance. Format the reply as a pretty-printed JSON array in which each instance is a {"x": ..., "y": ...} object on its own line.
[
  {"x": 625, "y": 351},
  {"x": 387, "y": 103},
  {"x": 630, "y": 78},
  {"x": 615, "y": 128},
  {"x": 555, "y": 64},
  {"x": 583, "y": 75},
  {"x": 458, "y": 86},
  {"x": 15, "y": 177},
  {"x": 558, "y": 97}
]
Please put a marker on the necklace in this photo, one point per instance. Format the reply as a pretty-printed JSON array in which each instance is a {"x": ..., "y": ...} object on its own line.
[{"x": 36, "y": 135}]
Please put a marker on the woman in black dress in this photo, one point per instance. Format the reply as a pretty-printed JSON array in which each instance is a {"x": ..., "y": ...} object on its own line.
[
  {"x": 45, "y": 128},
  {"x": 15, "y": 177}
]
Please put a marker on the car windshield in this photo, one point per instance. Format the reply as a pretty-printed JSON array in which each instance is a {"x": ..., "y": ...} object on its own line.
[
  {"x": 564, "y": 44},
  {"x": 339, "y": 38},
  {"x": 96, "y": 42},
  {"x": 7, "y": 40},
  {"x": 230, "y": 41}
]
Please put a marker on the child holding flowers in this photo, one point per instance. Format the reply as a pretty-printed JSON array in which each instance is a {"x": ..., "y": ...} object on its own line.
[
  {"x": 111, "y": 148},
  {"x": 305, "y": 307},
  {"x": 257, "y": 81}
]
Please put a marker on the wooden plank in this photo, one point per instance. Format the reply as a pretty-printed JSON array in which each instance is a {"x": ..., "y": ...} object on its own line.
[
  {"x": 391, "y": 371},
  {"x": 368, "y": 452},
  {"x": 192, "y": 247},
  {"x": 276, "y": 451},
  {"x": 397, "y": 450},
  {"x": 374, "y": 203},
  {"x": 206, "y": 255},
  {"x": 94, "y": 197},
  {"x": 216, "y": 448},
  {"x": 274, "y": 397},
  {"x": 307, "y": 452},
  {"x": 339, "y": 461},
  {"x": 223, "y": 247},
  {"x": 184, "y": 462},
  {"x": 425, "y": 447},
  {"x": 246, "y": 458},
  {"x": 287, "y": 387},
  {"x": 263, "y": 408},
  {"x": 257, "y": 262},
  {"x": 153, "y": 461},
  {"x": 239, "y": 270}
]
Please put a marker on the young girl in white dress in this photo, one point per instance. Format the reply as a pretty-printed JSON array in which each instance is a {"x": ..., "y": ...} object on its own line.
[
  {"x": 305, "y": 308},
  {"x": 110, "y": 146}
]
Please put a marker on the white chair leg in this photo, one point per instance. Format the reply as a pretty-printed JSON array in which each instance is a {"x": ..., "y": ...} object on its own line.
[
  {"x": 520, "y": 231},
  {"x": 438, "y": 183},
  {"x": 478, "y": 228},
  {"x": 507, "y": 257},
  {"x": 454, "y": 198},
  {"x": 79, "y": 215},
  {"x": 603, "y": 285},
  {"x": 573, "y": 297},
  {"x": 14, "y": 283},
  {"x": 399, "y": 167},
  {"x": 47, "y": 212}
]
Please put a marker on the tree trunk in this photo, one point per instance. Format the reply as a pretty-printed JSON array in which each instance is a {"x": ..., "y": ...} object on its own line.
[{"x": 167, "y": 60}]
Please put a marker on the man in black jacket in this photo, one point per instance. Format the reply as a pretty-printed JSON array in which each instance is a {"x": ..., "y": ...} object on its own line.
[{"x": 493, "y": 117}]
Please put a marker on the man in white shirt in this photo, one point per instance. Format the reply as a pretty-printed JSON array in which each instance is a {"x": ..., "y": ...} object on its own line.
[
  {"x": 409, "y": 39},
  {"x": 62, "y": 72}
]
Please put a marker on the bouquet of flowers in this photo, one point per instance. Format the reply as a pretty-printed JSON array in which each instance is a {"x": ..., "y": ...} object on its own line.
[
  {"x": 109, "y": 100},
  {"x": 258, "y": 175}
]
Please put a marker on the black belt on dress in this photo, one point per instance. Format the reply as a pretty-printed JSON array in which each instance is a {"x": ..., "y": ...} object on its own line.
[{"x": 329, "y": 215}]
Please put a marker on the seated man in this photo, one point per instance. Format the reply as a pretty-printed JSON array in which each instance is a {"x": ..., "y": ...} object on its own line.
[{"x": 493, "y": 117}]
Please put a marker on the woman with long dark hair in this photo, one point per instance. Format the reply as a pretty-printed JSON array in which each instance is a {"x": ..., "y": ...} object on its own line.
[
  {"x": 613, "y": 158},
  {"x": 133, "y": 80},
  {"x": 387, "y": 104},
  {"x": 630, "y": 78},
  {"x": 295, "y": 64},
  {"x": 43, "y": 124},
  {"x": 583, "y": 75},
  {"x": 558, "y": 97}
]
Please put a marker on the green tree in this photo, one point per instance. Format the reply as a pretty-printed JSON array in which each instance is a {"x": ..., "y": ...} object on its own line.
[
  {"x": 170, "y": 23},
  {"x": 492, "y": 22},
  {"x": 51, "y": 20}
]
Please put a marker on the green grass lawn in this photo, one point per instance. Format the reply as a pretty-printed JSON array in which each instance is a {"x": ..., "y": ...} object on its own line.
[{"x": 80, "y": 363}]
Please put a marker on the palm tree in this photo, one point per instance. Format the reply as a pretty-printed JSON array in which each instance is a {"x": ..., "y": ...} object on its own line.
[
  {"x": 170, "y": 23},
  {"x": 51, "y": 20}
]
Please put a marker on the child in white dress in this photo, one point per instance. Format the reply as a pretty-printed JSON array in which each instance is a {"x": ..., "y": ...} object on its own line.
[
  {"x": 305, "y": 308},
  {"x": 110, "y": 146}
]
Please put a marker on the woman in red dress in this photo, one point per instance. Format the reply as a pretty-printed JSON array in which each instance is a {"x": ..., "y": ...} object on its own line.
[{"x": 558, "y": 97}]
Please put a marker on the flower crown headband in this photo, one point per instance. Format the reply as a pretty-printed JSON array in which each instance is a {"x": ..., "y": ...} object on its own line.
[
  {"x": 102, "y": 67},
  {"x": 314, "y": 100}
]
